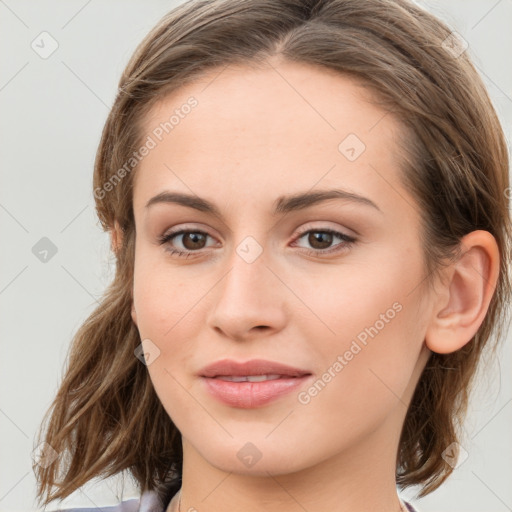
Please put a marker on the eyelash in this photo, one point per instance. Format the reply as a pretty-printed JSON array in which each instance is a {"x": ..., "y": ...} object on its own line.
[{"x": 348, "y": 241}]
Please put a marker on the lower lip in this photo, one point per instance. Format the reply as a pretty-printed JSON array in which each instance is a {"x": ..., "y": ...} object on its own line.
[{"x": 247, "y": 395}]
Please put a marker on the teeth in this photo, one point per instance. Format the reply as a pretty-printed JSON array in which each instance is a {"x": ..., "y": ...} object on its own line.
[{"x": 248, "y": 378}]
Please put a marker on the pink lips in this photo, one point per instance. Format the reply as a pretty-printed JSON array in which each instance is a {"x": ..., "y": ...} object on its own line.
[{"x": 282, "y": 379}]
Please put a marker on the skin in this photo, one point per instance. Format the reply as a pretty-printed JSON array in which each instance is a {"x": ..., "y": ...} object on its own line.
[{"x": 254, "y": 136}]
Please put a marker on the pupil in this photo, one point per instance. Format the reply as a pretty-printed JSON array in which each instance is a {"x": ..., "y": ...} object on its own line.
[
  {"x": 324, "y": 238},
  {"x": 195, "y": 237}
]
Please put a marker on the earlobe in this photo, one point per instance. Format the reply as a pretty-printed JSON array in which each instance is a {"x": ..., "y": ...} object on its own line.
[{"x": 464, "y": 299}]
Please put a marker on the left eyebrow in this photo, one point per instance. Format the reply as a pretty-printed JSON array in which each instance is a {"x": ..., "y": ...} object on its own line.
[
  {"x": 285, "y": 204},
  {"x": 282, "y": 204}
]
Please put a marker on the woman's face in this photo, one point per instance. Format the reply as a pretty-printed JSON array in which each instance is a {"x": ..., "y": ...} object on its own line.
[{"x": 264, "y": 279}]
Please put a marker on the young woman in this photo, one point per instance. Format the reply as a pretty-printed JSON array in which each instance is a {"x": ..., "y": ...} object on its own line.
[{"x": 308, "y": 205}]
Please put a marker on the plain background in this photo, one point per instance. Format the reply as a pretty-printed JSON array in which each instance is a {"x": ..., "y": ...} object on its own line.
[{"x": 53, "y": 110}]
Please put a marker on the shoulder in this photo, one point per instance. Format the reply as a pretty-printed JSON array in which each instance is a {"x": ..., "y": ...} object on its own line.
[{"x": 148, "y": 502}]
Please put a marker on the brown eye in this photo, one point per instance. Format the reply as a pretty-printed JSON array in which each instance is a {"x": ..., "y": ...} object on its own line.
[
  {"x": 193, "y": 240},
  {"x": 320, "y": 239}
]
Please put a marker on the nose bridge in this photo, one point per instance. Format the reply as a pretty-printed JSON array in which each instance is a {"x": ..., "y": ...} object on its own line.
[
  {"x": 248, "y": 276},
  {"x": 246, "y": 296}
]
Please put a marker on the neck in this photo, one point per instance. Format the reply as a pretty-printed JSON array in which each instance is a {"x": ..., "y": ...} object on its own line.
[{"x": 360, "y": 478}]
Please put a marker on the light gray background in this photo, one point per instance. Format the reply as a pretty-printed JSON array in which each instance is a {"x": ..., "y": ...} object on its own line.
[{"x": 53, "y": 111}]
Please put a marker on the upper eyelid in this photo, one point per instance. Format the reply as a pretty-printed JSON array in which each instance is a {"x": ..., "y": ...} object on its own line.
[
  {"x": 297, "y": 234},
  {"x": 326, "y": 224}
]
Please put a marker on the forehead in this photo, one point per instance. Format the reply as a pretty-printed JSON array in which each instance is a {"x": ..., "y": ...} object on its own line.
[
  {"x": 267, "y": 98},
  {"x": 253, "y": 131}
]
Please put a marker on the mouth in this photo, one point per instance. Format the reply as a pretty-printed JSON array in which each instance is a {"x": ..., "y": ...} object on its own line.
[
  {"x": 253, "y": 367},
  {"x": 250, "y": 378},
  {"x": 251, "y": 384}
]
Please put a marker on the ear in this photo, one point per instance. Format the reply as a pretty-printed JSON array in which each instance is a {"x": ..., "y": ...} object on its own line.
[
  {"x": 134, "y": 314},
  {"x": 465, "y": 295},
  {"x": 116, "y": 237}
]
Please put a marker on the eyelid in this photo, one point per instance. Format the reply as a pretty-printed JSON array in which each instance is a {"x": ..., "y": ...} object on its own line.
[
  {"x": 347, "y": 241},
  {"x": 349, "y": 233},
  {"x": 298, "y": 233},
  {"x": 186, "y": 227},
  {"x": 167, "y": 235}
]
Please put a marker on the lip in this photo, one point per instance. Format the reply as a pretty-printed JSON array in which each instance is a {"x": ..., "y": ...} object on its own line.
[
  {"x": 248, "y": 395},
  {"x": 251, "y": 367}
]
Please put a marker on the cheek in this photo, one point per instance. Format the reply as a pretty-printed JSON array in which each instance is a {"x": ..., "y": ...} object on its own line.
[
  {"x": 170, "y": 313},
  {"x": 162, "y": 298},
  {"x": 375, "y": 323},
  {"x": 351, "y": 298},
  {"x": 365, "y": 370}
]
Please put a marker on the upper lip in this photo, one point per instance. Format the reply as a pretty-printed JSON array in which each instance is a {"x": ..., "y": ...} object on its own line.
[{"x": 227, "y": 367}]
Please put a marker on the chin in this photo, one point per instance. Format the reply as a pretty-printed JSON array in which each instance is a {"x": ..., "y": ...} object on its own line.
[{"x": 258, "y": 458}]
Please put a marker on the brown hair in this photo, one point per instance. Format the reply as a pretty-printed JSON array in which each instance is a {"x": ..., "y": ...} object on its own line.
[{"x": 106, "y": 417}]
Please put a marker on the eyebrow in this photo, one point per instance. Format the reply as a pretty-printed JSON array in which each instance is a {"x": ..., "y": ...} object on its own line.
[{"x": 282, "y": 204}]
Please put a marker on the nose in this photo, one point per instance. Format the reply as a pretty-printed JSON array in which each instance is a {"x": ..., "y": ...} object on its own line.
[{"x": 250, "y": 300}]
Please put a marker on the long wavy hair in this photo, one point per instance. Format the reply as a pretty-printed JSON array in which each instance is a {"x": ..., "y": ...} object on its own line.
[{"x": 106, "y": 417}]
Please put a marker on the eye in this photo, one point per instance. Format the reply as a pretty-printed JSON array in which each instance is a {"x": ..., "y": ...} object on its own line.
[
  {"x": 321, "y": 240},
  {"x": 195, "y": 240},
  {"x": 191, "y": 240}
]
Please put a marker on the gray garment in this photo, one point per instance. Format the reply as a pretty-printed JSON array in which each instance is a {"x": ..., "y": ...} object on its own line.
[{"x": 148, "y": 502}]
